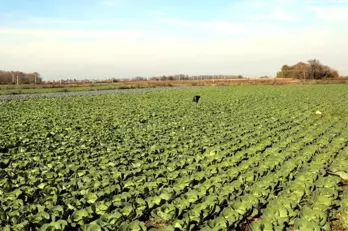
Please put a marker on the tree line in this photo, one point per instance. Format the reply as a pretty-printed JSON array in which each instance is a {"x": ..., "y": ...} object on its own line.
[
  {"x": 18, "y": 77},
  {"x": 313, "y": 69},
  {"x": 187, "y": 77}
]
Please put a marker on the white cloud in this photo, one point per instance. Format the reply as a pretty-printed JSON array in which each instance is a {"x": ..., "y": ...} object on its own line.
[
  {"x": 281, "y": 15},
  {"x": 221, "y": 26},
  {"x": 275, "y": 15},
  {"x": 175, "y": 21},
  {"x": 109, "y": 3},
  {"x": 225, "y": 26},
  {"x": 253, "y": 47},
  {"x": 56, "y": 34},
  {"x": 255, "y": 3},
  {"x": 150, "y": 55},
  {"x": 10, "y": 14},
  {"x": 157, "y": 13},
  {"x": 266, "y": 10},
  {"x": 332, "y": 13},
  {"x": 339, "y": 1},
  {"x": 61, "y": 22}
]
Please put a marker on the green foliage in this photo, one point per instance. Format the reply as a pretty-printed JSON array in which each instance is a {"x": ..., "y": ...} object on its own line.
[{"x": 256, "y": 156}]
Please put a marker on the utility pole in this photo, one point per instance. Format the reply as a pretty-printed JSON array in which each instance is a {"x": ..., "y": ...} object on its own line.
[
  {"x": 17, "y": 80},
  {"x": 35, "y": 78}
]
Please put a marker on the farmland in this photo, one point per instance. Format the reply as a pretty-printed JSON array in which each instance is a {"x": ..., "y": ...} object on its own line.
[
  {"x": 133, "y": 84},
  {"x": 243, "y": 158}
]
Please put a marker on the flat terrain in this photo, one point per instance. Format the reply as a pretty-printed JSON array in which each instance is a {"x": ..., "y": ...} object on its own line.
[
  {"x": 243, "y": 158},
  {"x": 84, "y": 93},
  {"x": 102, "y": 86}
]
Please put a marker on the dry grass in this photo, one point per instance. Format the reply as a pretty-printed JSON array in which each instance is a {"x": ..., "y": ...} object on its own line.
[
  {"x": 229, "y": 82},
  {"x": 247, "y": 226},
  {"x": 218, "y": 82},
  {"x": 155, "y": 224},
  {"x": 56, "y": 87},
  {"x": 337, "y": 226}
]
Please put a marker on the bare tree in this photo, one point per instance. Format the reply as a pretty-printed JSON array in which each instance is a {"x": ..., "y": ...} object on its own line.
[
  {"x": 311, "y": 70},
  {"x": 10, "y": 77}
]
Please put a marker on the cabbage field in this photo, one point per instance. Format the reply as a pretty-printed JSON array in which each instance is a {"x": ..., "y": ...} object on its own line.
[{"x": 243, "y": 158}]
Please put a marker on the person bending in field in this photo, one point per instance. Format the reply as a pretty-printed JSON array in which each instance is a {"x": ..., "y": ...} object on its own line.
[{"x": 196, "y": 98}]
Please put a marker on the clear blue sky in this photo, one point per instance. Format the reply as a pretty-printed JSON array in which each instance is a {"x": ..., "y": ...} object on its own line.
[{"x": 125, "y": 38}]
